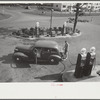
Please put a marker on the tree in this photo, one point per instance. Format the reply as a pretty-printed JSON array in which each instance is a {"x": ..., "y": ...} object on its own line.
[
  {"x": 78, "y": 8},
  {"x": 91, "y": 9}
]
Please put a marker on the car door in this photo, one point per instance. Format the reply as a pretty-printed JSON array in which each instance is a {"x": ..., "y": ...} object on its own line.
[
  {"x": 38, "y": 52},
  {"x": 45, "y": 53}
]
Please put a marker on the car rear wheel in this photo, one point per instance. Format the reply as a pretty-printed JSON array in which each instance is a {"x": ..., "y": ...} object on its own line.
[
  {"x": 53, "y": 61},
  {"x": 17, "y": 59}
]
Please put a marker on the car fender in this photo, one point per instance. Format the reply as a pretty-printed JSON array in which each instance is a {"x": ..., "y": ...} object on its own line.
[
  {"x": 56, "y": 56},
  {"x": 19, "y": 54}
]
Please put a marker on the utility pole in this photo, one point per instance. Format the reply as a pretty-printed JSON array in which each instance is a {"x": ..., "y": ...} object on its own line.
[{"x": 51, "y": 23}]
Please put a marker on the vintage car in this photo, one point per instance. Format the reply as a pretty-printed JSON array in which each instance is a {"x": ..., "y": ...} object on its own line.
[{"x": 42, "y": 50}]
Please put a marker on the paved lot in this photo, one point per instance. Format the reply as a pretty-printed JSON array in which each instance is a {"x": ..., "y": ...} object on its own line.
[{"x": 42, "y": 73}]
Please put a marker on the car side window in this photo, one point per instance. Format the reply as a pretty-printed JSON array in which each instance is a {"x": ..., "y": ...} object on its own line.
[
  {"x": 38, "y": 48},
  {"x": 45, "y": 50},
  {"x": 54, "y": 51}
]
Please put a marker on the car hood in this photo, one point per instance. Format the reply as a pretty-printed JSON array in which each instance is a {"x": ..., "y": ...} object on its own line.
[{"x": 24, "y": 47}]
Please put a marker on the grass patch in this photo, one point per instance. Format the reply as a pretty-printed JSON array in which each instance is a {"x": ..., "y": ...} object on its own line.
[
  {"x": 48, "y": 13},
  {"x": 57, "y": 13}
]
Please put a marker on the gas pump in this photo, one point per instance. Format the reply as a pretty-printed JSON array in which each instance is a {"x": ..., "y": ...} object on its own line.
[
  {"x": 37, "y": 29},
  {"x": 90, "y": 62},
  {"x": 81, "y": 60}
]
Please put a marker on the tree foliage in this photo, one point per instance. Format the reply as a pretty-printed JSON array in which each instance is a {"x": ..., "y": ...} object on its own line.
[{"x": 78, "y": 9}]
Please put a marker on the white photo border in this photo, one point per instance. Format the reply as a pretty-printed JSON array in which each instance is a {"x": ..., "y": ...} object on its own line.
[{"x": 45, "y": 90}]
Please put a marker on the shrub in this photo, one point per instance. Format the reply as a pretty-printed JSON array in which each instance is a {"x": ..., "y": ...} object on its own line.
[
  {"x": 31, "y": 31},
  {"x": 14, "y": 33},
  {"x": 25, "y": 32}
]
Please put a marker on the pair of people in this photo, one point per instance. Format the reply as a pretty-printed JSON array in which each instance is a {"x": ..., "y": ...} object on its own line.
[{"x": 85, "y": 62}]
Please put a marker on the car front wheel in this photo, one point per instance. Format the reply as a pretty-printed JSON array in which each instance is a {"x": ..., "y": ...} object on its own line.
[{"x": 53, "y": 61}]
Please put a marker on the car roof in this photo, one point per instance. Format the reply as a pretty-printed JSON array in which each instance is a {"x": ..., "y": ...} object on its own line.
[{"x": 47, "y": 44}]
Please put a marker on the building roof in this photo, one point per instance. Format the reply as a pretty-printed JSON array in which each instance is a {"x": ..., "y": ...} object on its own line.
[{"x": 47, "y": 44}]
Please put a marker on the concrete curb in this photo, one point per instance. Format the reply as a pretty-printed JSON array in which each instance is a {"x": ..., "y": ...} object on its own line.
[
  {"x": 68, "y": 76},
  {"x": 70, "y": 36}
]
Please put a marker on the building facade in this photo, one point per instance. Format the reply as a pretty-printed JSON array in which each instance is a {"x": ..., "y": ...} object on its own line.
[
  {"x": 63, "y": 6},
  {"x": 69, "y": 7}
]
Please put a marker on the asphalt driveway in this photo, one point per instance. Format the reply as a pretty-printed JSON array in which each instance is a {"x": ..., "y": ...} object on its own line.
[{"x": 42, "y": 73}]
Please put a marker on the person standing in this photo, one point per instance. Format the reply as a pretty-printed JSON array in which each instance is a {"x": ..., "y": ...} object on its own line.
[
  {"x": 35, "y": 56},
  {"x": 66, "y": 46}
]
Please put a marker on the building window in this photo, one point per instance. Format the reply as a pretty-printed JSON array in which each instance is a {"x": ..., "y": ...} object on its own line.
[
  {"x": 56, "y": 5},
  {"x": 64, "y": 6}
]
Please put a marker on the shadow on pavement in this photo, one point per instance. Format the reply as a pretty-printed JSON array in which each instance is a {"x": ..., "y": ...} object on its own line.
[
  {"x": 69, "y": 77},
  {"x": 88, "y": 77},
  {"x": 43, "y": 63},
  {"x": 6, "y": 59},
  {"x": 22, "y": 65},
  {"x": 56, "y": 77}
]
